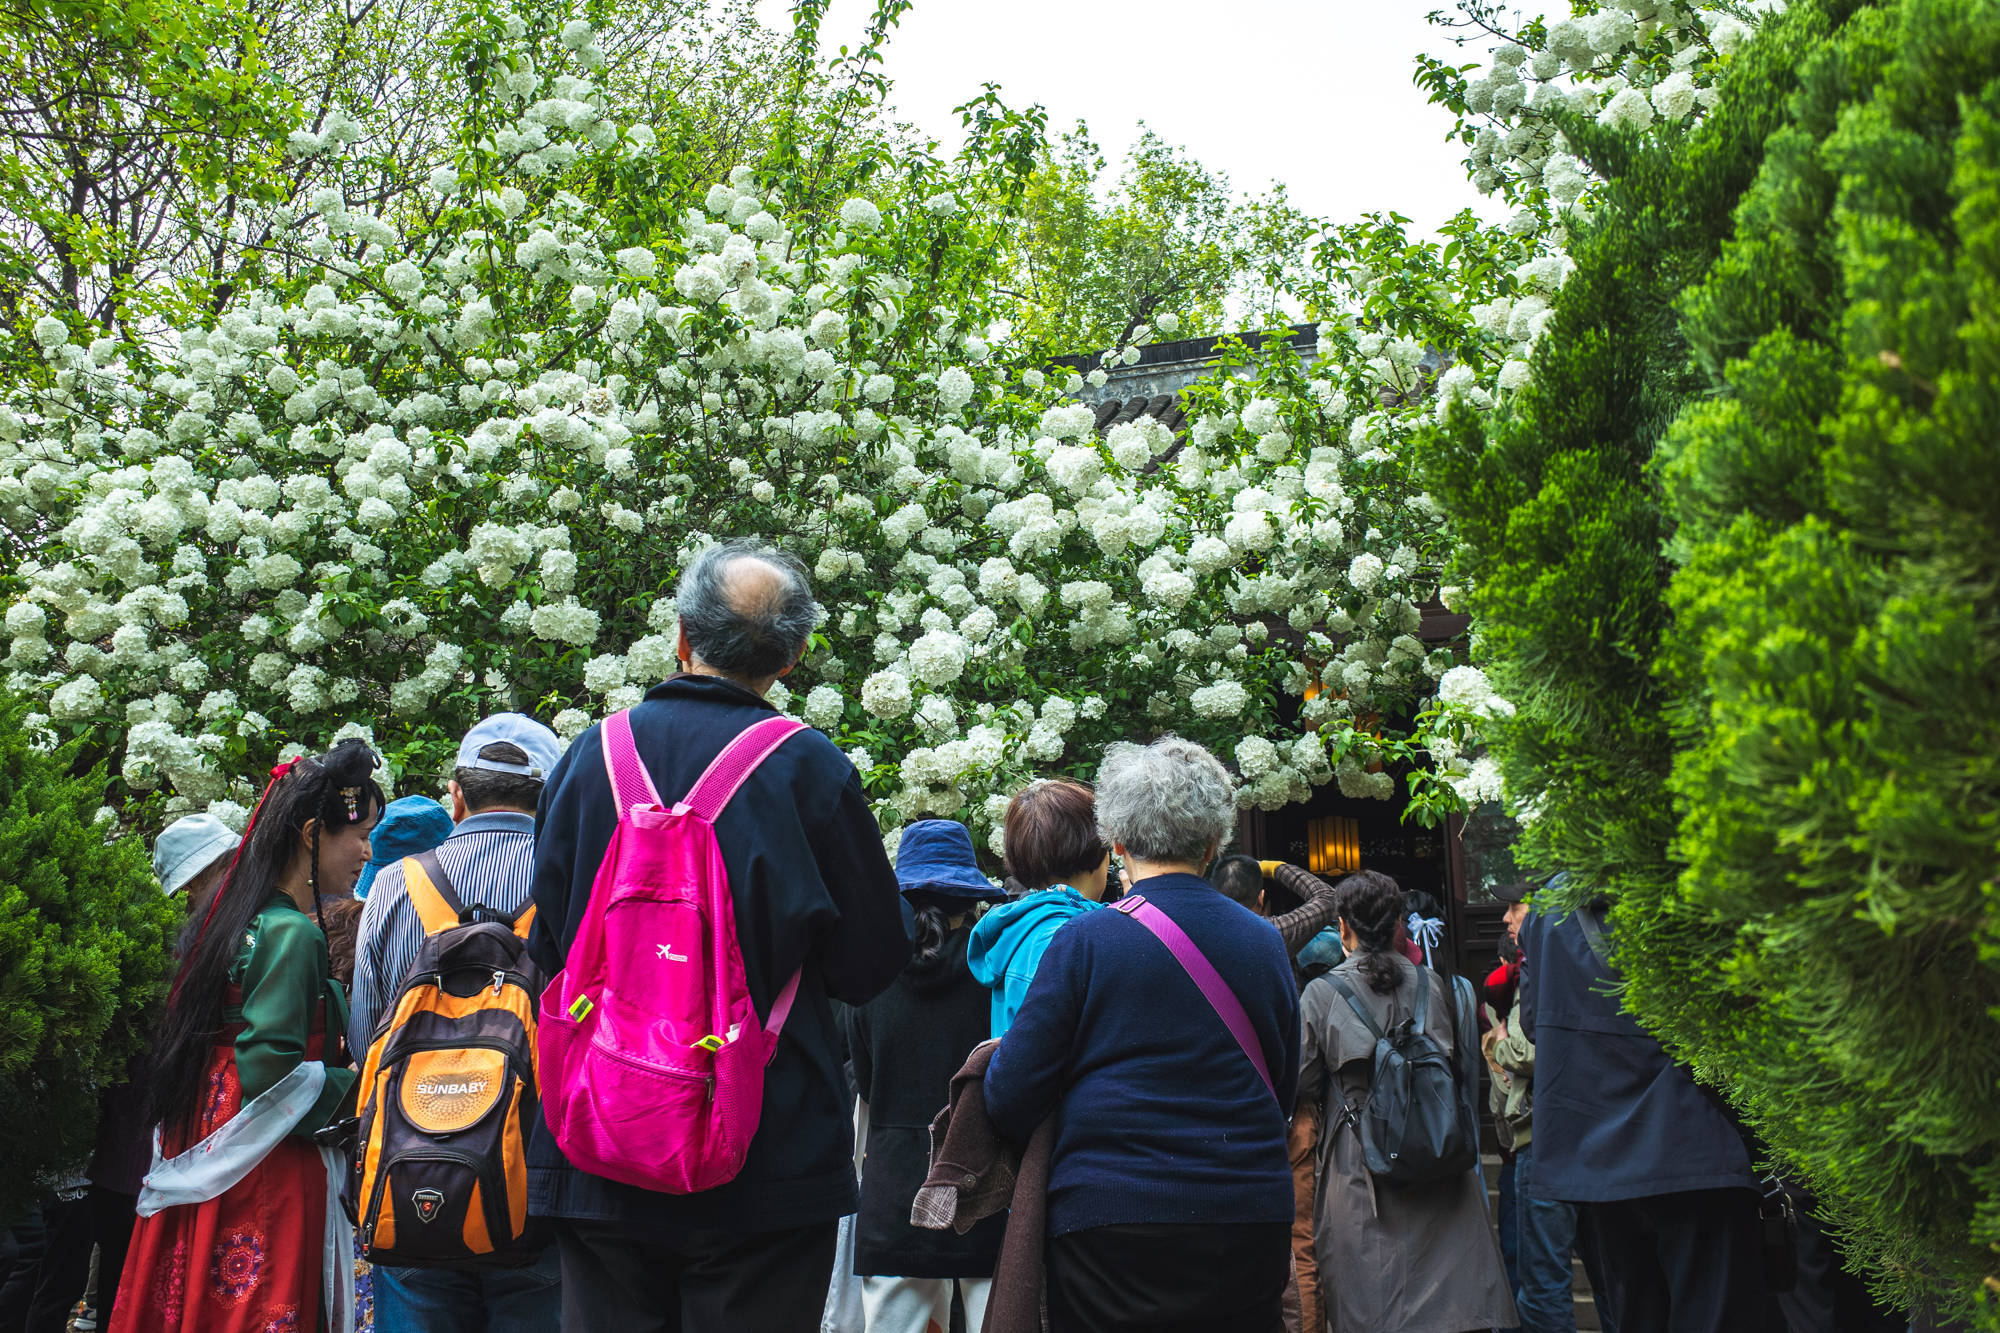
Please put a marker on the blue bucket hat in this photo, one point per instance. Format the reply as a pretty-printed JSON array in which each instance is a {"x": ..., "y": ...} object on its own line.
[
  {"x": 408, "y": 825},
  {"x": 936, "y": 857}
]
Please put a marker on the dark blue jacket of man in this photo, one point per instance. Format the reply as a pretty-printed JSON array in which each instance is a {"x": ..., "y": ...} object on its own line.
[
  {"x": 1615, "y": 1117},
  {"x": 811, "y": 885}
]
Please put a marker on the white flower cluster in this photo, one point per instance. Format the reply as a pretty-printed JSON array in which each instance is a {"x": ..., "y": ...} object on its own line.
[
  {"x": 1631, "y": 64},
  {"x": 440, "y": 475}
]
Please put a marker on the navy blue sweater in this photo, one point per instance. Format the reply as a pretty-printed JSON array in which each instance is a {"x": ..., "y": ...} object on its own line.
[
  {"x": 1162, "y": 1116},
  {"x": 811, "y": 886}
]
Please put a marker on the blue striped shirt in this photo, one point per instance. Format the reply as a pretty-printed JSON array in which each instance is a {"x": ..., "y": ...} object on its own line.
[{"x": 490, "y": 858}]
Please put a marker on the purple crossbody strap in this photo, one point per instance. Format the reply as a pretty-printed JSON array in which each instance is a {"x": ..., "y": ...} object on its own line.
[
  {"x": 622, "y": 763},
  {"x": 1204, "y": 975}
]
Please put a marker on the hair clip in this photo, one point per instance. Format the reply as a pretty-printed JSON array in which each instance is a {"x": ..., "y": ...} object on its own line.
[{"x": 352, "y": 795}]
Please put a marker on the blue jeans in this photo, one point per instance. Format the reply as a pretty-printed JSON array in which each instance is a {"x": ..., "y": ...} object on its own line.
[
  {"x": 486, "y": 1300},
  {"x": 1545, "y": 1232},
  {"x": 1510, "y": 1229}
]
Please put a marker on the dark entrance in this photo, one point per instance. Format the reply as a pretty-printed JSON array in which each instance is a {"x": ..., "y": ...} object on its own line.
[{"x": 1457, "y": 864}]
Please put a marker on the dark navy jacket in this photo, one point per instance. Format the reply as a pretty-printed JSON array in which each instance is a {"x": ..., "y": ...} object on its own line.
[
  {"x": 811, "y": 885},
  {"x": 1615, "y": 1117},
  {"x": 1163, "y": 1118}
]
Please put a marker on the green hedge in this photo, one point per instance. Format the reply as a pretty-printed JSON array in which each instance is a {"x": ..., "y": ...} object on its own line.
[
  {"x": 86, "y": 946},
  {"x": 1737, "y": 556}
]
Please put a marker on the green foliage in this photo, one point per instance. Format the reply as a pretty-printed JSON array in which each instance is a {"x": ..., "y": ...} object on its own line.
[
  {"x": 113, "y": 118},
  {"x": 1737, "y": 558},
  {"x": 1093, "y": 262},
  {"x": 85, "y": 944}
]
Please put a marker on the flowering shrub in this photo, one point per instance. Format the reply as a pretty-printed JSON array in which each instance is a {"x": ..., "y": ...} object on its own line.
[{"x": 436, "y": 464}]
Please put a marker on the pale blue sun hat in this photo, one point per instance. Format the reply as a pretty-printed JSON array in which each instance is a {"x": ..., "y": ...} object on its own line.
[{"x": 188, "y": 846}]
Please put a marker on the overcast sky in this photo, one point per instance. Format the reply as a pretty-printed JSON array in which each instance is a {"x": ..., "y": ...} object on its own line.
[{"x": 1314, "y": 93}]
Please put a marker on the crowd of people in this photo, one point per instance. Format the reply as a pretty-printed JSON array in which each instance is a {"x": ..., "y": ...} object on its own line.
[{"x": 1140, "y": 1084}]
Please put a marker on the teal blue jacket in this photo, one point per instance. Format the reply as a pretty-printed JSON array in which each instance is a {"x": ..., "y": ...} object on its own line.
[{"x": 1008, "y": 943}]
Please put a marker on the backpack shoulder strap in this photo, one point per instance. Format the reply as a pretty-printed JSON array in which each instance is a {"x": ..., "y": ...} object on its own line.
[
  {"x": 631, "y": 783},
  {"x": 431, "y": 893},
  {"x": 1354, "y": 1002},
  {"x": 522, "y": 920},
  {"x": 1213, "y": 987},
  {"x": 738, "y": 760},
  {"x": 1593, "y": 935}
]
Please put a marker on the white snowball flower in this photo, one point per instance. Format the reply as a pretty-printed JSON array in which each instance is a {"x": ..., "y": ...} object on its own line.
[
  {"x": 886, "y": 695},
  {"x": 51, "y": 333},
  {"x": 823, "y": 707},
  {"x": 860, "y": 215},
  {"x": 938, "y": 657},
  {"x": 1629, "y": 110},
  {"x": 954, "y": 389},
  {"x": 565, "y": 622},
  {"x": 1365, "y": 571},
  {"x": 638, "y": 261},
  {"x": 1673, "y": 96},
  {"x": 1223, "y": 699},
  {"x": 1168, "y": 323},
  {"x": 77, "y": 698},
  {"x": 937, "y": 715},
  {"x": 604, "y": 673},
  {"x": 570, "y": 723},
  {"x": 1514, "y": 374}
]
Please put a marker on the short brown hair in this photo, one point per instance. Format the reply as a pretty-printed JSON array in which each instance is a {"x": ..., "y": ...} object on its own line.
[{"x": 1051, "y": 832}]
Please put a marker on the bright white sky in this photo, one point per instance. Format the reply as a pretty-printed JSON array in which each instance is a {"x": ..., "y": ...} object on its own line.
[{"x": 1314, "y": 93}]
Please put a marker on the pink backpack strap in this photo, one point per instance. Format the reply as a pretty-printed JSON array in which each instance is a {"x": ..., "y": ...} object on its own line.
[
  {"x": 712, "y": 791},
  {"x": 738, "y": 760},
  {"x": 627, "y": 771}
]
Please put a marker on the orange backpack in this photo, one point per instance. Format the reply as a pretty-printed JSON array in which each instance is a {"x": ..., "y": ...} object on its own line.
[{"x": 447, "y": 1092}]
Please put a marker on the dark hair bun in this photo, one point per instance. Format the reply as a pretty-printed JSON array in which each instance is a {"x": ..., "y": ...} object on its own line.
[{"x": 1372, "y": 905}]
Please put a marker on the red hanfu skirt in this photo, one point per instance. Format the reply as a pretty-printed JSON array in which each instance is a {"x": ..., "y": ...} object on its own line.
[{"x": 246, "y": 1262}]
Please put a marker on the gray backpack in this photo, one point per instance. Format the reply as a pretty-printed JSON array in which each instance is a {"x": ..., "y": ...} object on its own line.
[{"x": 1416, "y": 1123}]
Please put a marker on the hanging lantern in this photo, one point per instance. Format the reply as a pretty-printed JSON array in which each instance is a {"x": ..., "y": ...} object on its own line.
[{"x": 1333, "y": 845}]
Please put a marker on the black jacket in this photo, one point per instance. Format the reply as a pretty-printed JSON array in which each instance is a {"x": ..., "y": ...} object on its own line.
[
  {"x": 906, "y": 1044},
  {"x": 811, "y": 886},
  {"x": 1615, "y": 1116}
]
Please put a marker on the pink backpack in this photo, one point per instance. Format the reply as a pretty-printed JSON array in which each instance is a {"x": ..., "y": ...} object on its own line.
[{"x": 652, "y": 1055}]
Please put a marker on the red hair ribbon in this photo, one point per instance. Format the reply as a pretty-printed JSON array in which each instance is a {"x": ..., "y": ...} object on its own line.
[{"x": 229, "y": 877}]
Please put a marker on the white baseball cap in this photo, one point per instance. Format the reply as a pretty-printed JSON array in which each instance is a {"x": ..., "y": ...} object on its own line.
[{"x": 541, "y": 745}]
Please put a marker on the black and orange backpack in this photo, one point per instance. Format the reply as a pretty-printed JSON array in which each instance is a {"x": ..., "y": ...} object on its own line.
[{"x": 447, "y": 1093}]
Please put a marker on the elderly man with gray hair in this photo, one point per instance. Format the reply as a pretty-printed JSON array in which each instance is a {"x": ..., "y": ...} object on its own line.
[
  {"x": 1165, "y": 1035},
  {"x": 813, "y": 893}
]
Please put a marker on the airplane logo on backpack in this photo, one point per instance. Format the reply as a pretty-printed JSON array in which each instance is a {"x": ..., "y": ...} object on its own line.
[{"x": 667, "y": 952}]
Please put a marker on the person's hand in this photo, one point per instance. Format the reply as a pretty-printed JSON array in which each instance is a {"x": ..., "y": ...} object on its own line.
[
  {"x": 1486, "y": 1044},
  {"x": 1124, "y": 879},
  {"x": 1270, "y": 868}
]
